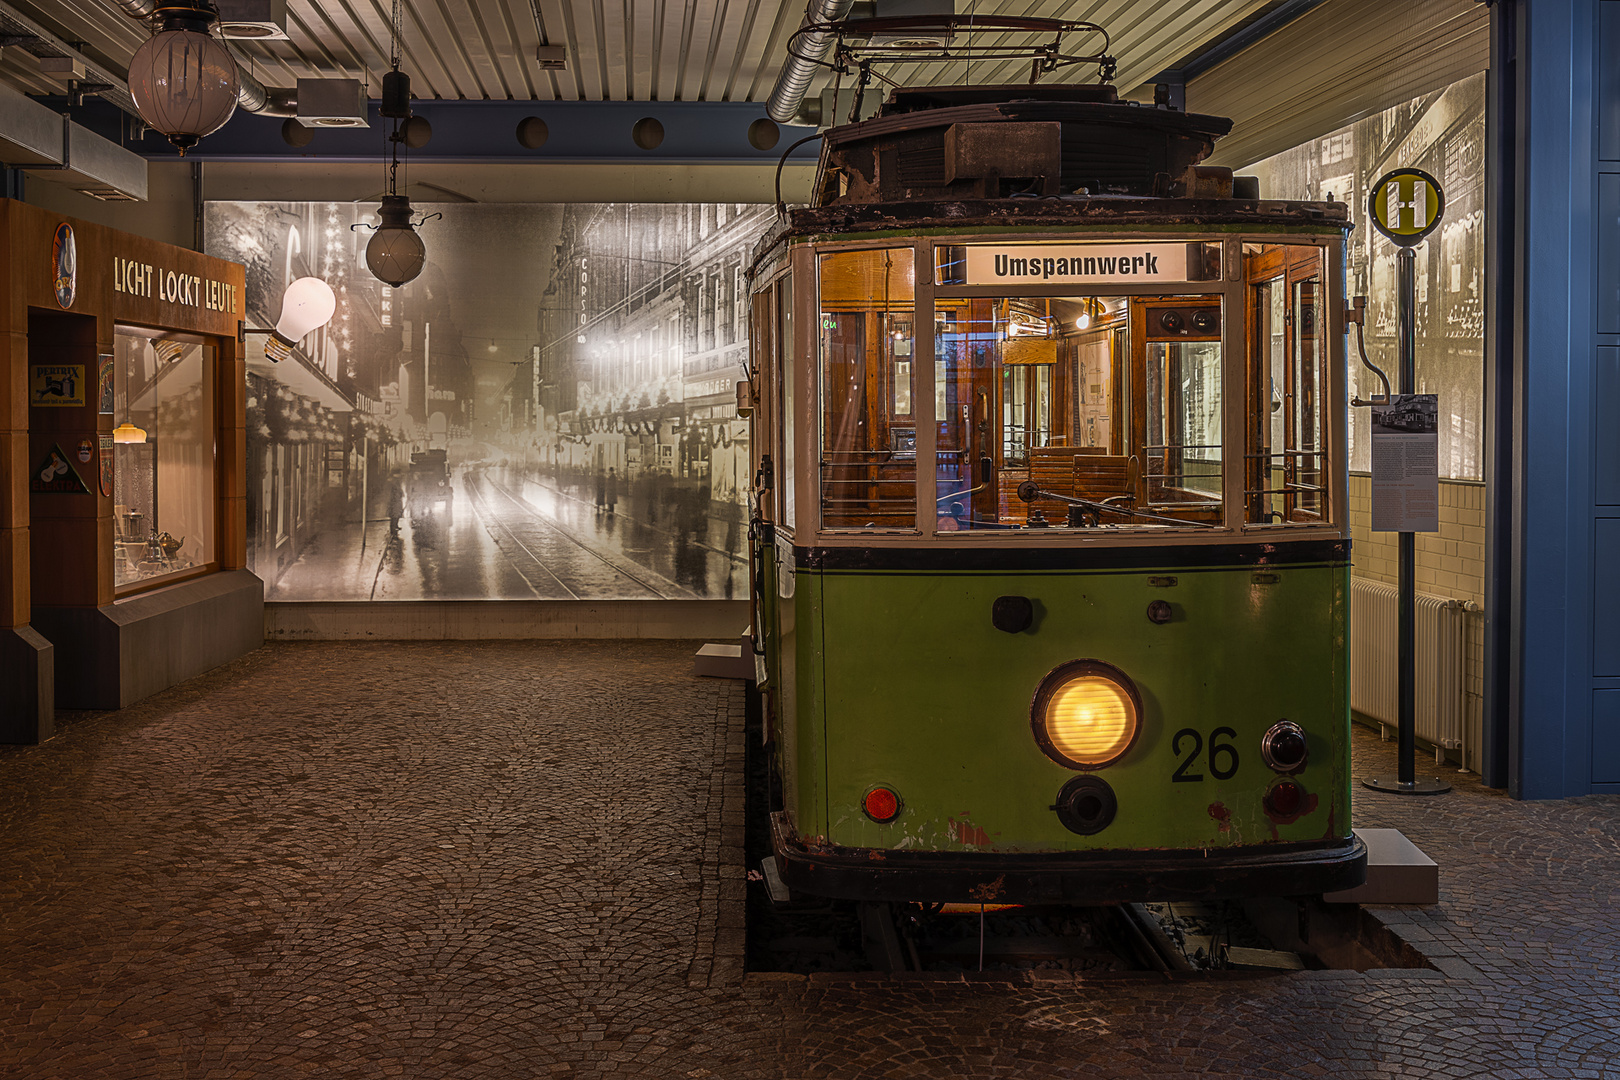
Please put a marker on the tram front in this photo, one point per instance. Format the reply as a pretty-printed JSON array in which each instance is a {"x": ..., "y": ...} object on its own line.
[{"x": 1051, "y": 540}]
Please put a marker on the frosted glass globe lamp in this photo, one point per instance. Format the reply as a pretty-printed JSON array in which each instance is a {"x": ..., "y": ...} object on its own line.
[
  {"x": 396, "y": 253},
  {"x": 183, "y": 79}
]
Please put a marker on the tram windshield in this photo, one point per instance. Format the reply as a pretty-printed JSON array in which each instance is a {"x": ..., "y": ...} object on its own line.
[
  {"x": 1077, "y": 411},
  {"x": 1111, "y": 427}
]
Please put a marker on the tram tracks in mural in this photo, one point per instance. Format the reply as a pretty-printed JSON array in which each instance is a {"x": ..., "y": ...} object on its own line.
[{"x": 538, "y": 529}]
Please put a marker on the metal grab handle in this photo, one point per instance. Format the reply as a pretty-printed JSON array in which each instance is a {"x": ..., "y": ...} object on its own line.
[{"x": 1028, "y": 491}]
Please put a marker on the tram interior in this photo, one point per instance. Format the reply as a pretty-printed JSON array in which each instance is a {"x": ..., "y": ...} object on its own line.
[{"x": 1112, "y": 406}]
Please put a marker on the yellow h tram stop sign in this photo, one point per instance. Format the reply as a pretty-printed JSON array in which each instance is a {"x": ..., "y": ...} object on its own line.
[{"x": 1406, "y": 205}]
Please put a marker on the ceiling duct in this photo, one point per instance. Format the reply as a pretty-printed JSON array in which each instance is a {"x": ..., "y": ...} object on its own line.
[
  {"x": 97, "y": 167},
  {"x": 52, "y": 147},
  {"x": 30, "y": 134},
  {"x": 327, "y": 103},
  {"x": 804, "y": 60},
  {"x": 911, "y": 39},
  {"x": 253, "y": 20},
  {"x": 34, "y": 39}
]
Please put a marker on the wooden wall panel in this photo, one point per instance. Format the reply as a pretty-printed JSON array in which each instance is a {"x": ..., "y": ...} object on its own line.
[{"x": 121, "y": 278}]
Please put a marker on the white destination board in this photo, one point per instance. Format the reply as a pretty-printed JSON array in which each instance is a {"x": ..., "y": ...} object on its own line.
[{"x": 1064, "y": 264}]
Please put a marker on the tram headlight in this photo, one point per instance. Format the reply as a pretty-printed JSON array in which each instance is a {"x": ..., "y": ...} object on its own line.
[
  {"x": 1086, "y": 714},
  {"x": 1283, "y": 747}
]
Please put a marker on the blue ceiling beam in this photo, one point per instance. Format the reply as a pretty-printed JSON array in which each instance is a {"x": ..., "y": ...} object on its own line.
[{"x": 591, "y": 132}]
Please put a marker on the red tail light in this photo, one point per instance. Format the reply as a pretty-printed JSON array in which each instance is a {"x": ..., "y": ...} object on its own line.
[{"x": 881, "y": 805}]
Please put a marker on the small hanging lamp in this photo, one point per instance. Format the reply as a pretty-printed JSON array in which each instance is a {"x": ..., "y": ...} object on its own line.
[
  {"x": 396, "y": 253},
  {"x": 183, "y": 79}
]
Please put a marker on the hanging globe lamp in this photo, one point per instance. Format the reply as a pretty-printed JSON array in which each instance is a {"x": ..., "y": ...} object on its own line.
[
  {"x": 183, "y": 79},
  {"x": 396, "y": 253}
]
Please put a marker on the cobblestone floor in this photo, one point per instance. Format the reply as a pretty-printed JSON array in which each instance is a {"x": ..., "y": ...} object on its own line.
[{"x": 516, "y": 859}]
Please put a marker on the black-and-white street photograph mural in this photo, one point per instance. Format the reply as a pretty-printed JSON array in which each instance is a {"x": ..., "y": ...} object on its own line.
[
  {"x": 547, "y": 412},
  {"x": 1442, "y": 133}
]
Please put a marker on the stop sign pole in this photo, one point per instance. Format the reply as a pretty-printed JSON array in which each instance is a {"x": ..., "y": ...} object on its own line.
[{"x": 1405, "y": 206}]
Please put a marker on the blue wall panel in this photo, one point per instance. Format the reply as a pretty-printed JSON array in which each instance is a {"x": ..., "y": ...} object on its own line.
[
  {"x": 1606, "y": 736},
  {"x": 1608, "y": 253},
  {"x": 1559, "y": 133},
  {"x": 1606, "y": 475},
  {"x": 1606, "y": 597}
]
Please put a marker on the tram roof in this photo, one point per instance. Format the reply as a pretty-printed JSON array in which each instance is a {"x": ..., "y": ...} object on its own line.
[{"x": 1191, "y": 218}]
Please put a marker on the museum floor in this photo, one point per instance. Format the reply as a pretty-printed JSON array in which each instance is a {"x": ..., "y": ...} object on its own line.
[{"x": 524, "y": 859}]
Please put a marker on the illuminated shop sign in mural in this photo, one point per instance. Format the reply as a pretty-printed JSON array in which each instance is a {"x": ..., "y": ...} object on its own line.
[{"x": 548, "y": 412}]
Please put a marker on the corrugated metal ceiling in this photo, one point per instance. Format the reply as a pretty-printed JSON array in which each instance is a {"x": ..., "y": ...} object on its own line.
[{"x": 618, "y": 50}]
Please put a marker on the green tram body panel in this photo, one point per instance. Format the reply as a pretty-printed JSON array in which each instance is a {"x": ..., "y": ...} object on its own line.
[{"x": 899, "y": 678}]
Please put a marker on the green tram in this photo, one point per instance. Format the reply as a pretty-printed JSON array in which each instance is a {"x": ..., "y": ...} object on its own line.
[{"x": 1051, "y": 551}]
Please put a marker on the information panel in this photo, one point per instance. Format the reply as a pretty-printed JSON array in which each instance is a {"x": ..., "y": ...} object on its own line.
[{"x": 1406, "y": 464}]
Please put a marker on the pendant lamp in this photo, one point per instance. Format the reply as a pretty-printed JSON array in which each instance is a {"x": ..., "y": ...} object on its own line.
[
  {"x": 396, "y": 253},
  {"x": 183, "y": 79}
]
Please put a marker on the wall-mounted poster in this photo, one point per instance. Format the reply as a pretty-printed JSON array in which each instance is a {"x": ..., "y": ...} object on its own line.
[{"x": 547, "y": 412}]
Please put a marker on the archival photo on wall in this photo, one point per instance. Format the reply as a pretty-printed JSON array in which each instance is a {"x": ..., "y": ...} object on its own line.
[
  {"x": 1442, "y": 133},
  {"x": 547, "y": 412}
]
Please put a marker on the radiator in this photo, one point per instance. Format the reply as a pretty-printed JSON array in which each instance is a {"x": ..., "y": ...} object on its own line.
[{"x": 1441, "y": 634}]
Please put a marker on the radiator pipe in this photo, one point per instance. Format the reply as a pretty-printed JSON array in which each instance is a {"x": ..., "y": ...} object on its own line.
[{"x": 803, "y": 59}]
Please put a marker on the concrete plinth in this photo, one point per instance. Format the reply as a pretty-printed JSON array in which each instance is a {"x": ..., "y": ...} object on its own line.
[
  {"x": 1397, "y": 872},
  {"x": 111, "y": 657},
  {"x": 27, "y": 686}
]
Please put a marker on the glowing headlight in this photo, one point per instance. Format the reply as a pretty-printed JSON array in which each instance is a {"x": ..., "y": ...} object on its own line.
[{"x": 1086, "y": 714}]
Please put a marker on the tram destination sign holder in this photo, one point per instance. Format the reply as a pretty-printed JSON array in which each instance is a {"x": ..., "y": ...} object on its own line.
[{"x": 1405, "y": 206}]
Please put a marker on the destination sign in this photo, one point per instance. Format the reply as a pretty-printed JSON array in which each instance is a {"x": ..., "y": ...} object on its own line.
[{"x": 1075, "y": 264}]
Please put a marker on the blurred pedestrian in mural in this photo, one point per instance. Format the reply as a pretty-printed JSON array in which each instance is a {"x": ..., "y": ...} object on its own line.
[
  {"x": 612, "y": 490},
  {"x": 396, "y": 502}
]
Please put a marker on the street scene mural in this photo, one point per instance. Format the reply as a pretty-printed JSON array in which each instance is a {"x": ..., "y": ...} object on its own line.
[
  {"x": 547, "y": 412},
  {"x": 1443, "y": 134}
]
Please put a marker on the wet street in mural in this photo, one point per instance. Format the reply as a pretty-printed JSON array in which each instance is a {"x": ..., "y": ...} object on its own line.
[{"x": 515, "y": 532}]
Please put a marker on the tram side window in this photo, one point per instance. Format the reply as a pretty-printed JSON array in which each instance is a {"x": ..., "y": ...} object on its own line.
[
  {"x": 1286, "y": 478},
  {"x": 786, "y": 473},
  {"x": 868, "y": 462}
]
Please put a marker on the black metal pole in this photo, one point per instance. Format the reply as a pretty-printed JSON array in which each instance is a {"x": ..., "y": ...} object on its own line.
[
  {"x": 1405, "y": 782},
  {"x": 1406, "y": 307}
]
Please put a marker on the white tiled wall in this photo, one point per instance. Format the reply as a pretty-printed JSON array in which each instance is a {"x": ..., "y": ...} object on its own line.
[{"x": 1450, "y": 563}]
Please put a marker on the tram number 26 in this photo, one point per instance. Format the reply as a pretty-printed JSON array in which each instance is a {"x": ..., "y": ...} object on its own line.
[{"x": 1223, "y": 756}]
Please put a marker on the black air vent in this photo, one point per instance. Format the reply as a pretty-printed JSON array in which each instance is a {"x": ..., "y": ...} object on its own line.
[{"x": 923, "y": 165}]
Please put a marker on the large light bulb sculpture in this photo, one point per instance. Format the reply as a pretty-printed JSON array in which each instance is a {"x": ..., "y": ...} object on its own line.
[
  {"x": 183, "y": 79},
  {"x": 306, "y": 306}
]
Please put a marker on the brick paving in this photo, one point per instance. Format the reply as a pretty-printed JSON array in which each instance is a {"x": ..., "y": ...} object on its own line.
[{"x": 523, "y": 859}]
